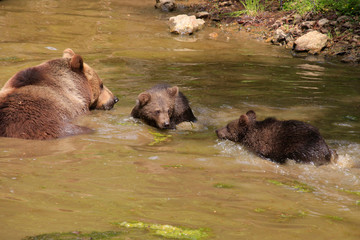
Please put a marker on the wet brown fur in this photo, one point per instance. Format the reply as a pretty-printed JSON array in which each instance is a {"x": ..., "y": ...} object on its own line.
[
  {"x": 278, "y": 140},
  {"x": 40, "y": 102},
  {"x": 163, "y": 107}
]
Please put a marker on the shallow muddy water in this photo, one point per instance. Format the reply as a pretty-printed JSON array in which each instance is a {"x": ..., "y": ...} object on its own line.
[{"x": 124, "y": 172}]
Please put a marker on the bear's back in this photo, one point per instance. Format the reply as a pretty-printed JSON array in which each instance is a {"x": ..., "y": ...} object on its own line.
[{"x": 280, "y": 140}]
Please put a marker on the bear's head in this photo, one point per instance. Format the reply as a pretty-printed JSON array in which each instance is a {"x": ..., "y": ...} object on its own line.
[
  {"x": 101, "y": 96},
  {"x": 237, "y": 129},
  {"x": 158, "y": 107}
]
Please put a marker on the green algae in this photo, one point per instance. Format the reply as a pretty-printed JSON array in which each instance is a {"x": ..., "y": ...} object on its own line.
[
  {"x": 11, "y": 59},
  {"x": 223, "y": 185},
  {"x": 109, "y": 235},
  {"x": 350, "y": 191},
  {"x": 167, "y": 231},
  {"x": 296, "y": 185},
  {"x": 159, "y": 137},
  {"x": 287, "y": 216},
  {"x": 259, "y": 210},
  {"x": 335, "y": 218},
  {"x": 173, "y": 166}
]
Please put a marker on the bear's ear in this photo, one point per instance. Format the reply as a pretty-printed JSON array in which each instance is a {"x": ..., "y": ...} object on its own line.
[
  {"x": 77, "y": 63},
  {"x": 251, "y": 115},
  {"x": 68, "y": 53},
  {"x": 243, "y": 120},
  {"x": 144, "y": 98},
  {"x": 173, "y": 91}
]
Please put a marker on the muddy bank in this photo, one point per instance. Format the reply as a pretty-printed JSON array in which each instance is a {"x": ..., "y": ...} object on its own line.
[{"x": 336, "y": 37}]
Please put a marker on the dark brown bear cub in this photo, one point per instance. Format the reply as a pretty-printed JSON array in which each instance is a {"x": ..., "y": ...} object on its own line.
[
  {"x": 278, "y": 140},
  {"x": 163, "y": 107}
]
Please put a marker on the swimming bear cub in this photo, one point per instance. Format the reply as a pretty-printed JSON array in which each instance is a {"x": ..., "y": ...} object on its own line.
[
  {"x": 278, "y": 140},
  {"x": 163, "y": 107},
  {"x": 40, "y": 102}
]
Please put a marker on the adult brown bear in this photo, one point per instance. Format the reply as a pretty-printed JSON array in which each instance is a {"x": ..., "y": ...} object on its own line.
[
  {"x": 40, "y": 102},
  {"x": 279, "y": 140}
]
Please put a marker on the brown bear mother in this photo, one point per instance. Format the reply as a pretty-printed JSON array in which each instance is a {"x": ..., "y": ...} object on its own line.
[
  {"x": 40, "y": 102},
  {"x": 278, "y": 140},
  {"x": 163, "y": 107}
]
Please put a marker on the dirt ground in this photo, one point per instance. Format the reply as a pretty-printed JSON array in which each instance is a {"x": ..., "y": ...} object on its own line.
[{"x": 343, "y": 32}]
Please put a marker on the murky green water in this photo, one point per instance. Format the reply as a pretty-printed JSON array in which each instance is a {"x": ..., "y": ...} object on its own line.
[{"x": 84, "y": 183}]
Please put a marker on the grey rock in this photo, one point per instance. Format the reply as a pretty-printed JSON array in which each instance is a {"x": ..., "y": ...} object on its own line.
[
  {"x": 347, "y": 25},
  {"x": 307, "y": 25},
  {"x": 342, "y": 19},
  {"x": 165, "y": 5},
  {"x": 297, "y": 18},
  {"x": 279, "y": 35},
  {"x": 202, "y": 14},
  {"x": 322, "y": 22},
  {"x": 313, "y": 42},
  {"x": 184, "y": 24}
]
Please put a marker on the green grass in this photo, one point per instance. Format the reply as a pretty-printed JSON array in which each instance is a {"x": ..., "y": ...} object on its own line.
[
  {"x": 342, "y": 7},
  {"x": 252, "y": 8}
]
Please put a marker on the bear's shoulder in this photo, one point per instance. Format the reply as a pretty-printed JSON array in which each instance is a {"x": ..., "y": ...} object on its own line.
[{"x": 29, "y": 76}]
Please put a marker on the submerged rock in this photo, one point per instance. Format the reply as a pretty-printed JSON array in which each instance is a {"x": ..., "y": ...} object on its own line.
[
  {"x": 313, "y": 42},
  {"x": 166, "y": 5},
  {"x": 184, "y": 24}
]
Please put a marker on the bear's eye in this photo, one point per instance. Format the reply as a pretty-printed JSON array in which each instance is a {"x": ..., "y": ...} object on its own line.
[
  {"x": 157, "y": 112},
  {"x": 101, "y": 86},
  {"x": 169, "y": 111}
]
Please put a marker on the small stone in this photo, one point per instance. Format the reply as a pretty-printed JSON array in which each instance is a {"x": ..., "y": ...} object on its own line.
[
  {"x": 279, "y": 35},
  {"x": 223, "y": 4},
  {"x": 307, "y": 25},
  {"x": 347, "y": 25},
  {"x": 297, "y": 18},
  {"x": 166, "y": 5},
  {"x": 202, "y": 14},
  {"x": 290, "y": 45},
  {"x": 322, "y": 22},
  {"x": 324, "y": 30},
  {"x": 342, "y": 19},
  {"x": 213, "y": 35}
]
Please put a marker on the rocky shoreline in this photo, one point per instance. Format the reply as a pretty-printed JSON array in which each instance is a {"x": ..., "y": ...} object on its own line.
[{"x": 328, "y": 35}]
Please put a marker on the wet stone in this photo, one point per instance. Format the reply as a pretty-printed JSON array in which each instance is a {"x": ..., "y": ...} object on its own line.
[{"x": 184, "y": 24}]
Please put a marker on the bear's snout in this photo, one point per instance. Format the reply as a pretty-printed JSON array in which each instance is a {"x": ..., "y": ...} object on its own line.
[
  {"x": 109, "y": 104},
  {"x": 220, "y": 133},
  {"x": 166, "y": 125}
]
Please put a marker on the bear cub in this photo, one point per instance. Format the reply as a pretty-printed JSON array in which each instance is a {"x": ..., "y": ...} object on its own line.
[
  {"x": 163, "y": 107},
  {"x": 278, "y": 140}
]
